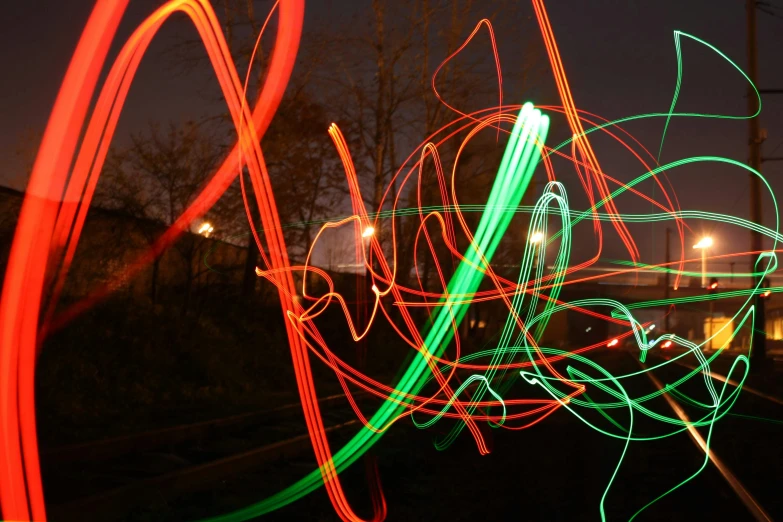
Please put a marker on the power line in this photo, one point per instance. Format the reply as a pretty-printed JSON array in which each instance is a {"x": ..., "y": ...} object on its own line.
[
  {"x": 769, "y": 5},
  {"x": 769, "y": 9}
]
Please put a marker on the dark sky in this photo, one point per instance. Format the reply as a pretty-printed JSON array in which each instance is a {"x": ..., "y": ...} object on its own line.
[{"x": 619, "y": 56}]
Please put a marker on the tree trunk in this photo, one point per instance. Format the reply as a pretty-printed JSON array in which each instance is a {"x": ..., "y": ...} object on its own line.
[
  {"x": 382, "y": 119},
  {"x": 154, "y": 282},
  {"x": 249, "y": 276}
]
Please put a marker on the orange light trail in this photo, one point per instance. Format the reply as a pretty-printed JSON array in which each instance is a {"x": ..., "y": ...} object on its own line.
[{"x": 68, "y": 167}]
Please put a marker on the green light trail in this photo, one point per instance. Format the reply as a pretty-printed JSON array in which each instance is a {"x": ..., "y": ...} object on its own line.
[{"x": 514, "y": 175}]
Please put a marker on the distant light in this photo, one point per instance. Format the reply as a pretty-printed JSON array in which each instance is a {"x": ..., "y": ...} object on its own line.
[
  {"x": 713, "y": 286},
  {"x": 589, "y": 328},
  {"x": 613, "y": 342},
  {"x": 369, "y": 231},
  {"x": 206, "y": 229},
  {"x": 652, "y": 327},
  {"x": 667, "y": 344},
  {"x": 705, "y": 242},
  {"x": 537, "y": 237},
  {"x": 375, "y": 289},
  {"x": 766, "y": 294}
]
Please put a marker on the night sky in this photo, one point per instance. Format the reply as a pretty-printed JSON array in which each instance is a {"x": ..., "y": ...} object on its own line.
[{"x": 619, "y": 56}]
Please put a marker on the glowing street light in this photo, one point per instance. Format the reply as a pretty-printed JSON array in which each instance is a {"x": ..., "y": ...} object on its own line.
[
  {"x": 535, "y": 239},
  {"x": 206, "y": 229},
  {"x": 613, "y": 342},
  {"x": 367, "y": 234},
  {"x": 703, "y": 245}
]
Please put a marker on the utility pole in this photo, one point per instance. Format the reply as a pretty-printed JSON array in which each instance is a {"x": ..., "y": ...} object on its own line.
[
  {"x": 666, "y": 280},
  {"x": 759, "y": 350}
]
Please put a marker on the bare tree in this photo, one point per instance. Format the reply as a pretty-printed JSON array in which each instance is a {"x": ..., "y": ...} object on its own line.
[
  {"x": 306, "y": 171},
  {"x": 374, "y": 81},
  {"x": 386, "y": 71},
  {"x": 155, "y": 179}
]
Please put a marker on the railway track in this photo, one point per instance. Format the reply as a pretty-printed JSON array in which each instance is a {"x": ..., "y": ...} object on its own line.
[
  {"x": 153, "y": 439},
  {"x": 188, "y": 472},
  {"x": 738, "y": 463},
  {"x": 104, "y": 480}
]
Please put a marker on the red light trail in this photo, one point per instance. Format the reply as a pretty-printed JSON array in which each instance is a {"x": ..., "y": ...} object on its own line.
[{"x": 67, "y": 170}]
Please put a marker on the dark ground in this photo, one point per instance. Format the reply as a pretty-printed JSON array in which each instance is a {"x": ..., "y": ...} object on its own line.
[{"x": 556, "y": 470}]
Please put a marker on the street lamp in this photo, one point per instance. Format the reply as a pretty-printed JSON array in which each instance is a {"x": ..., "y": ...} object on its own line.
[
  {"x": 703, "y": 245},
  {"x": 535, "y": 239},
  {"x": 362, "y": 305},
  {"x": 367, "y": 235},
  {"x": 206, "y": 229}
]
